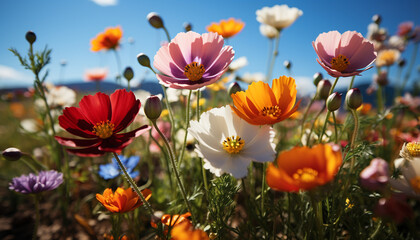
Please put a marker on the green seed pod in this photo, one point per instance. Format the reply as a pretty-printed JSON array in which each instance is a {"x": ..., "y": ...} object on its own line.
[
  {"x": 128, "y": 73},
  {"x": 153, "y": 107},
  {"x": 155, "y": 20},
  {"x": 317, "y": 77},
  {"x": 144, "y": 60},
  {"x": 354, "y": 98},
  {"x": 187, "y": 26},
  {"x": 30, "y": 37},
  {"x": 334, "y": 101},
  {"x": 323, "y": 89},
  {"x": 12, "y": 154}
]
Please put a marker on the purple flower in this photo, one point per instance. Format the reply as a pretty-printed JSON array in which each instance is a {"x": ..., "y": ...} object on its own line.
[
  {"x": 191, "y": 61},
  {"x": 44, "y": 181},
  {"x": 375, "y": 176}
]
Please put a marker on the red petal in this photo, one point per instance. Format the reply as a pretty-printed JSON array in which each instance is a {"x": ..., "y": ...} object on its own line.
[
  {"x": 119, "y": 141},
  {"x": 71, "y": 142},
  {"x": 86, "y": 152},
  {"x": 124, "y": 108},
  {"x": 96, "y": 108},
  {"x": 75, "y": 123}
]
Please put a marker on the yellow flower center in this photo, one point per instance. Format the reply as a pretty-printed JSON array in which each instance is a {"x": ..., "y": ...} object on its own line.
[
  {"x": 415, "y": 184},
  {"x": 109, "y": 199},
  {"x": 387, "y": 57},
  {"x": 340, "y": 63},
  {"x": 233, "y": 144},
  {"x": 103, "y": 129},
  {"x": 413, "y": 148},
  {"x": 273, "y": 111},
  {"x": 305, "y": 175},
  {"x": 194, "y": 71}
]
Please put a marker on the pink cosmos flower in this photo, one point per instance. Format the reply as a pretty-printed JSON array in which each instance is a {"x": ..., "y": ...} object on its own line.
[
  {"x": 344, "y": 55},
  {"x": 191, "y": 61}
]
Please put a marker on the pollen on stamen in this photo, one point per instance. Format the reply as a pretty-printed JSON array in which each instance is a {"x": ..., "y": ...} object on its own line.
[
  {"x": 194, "y": 71},
  {"x": 340, "y": 63},
  {"x": 305, "y": 175},
  {"x": 103, "y": 129},
  {"x": 413, "y": 148},
  {"x": 273, "y": 111},
  {"x": 233, "y": 144}
]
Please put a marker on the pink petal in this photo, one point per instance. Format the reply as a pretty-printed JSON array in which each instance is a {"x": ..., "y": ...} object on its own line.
[
  {"x": 223, "y": 60},
  {"x": 326, "y": 44},
  {"x": 73, "y": 142},
  {"x": 212, "y": 45},
  {"x": 363, "y": 57},
  {"x": 349, "y": 44},
  {"x": 164, "y": 63}
]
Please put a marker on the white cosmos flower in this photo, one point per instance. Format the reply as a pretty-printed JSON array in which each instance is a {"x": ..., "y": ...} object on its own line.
[
  {"x": 409, "y": 181},
  {"x": 238, "y": 63},
  {"x": 269, "y": 31},
  {"x": 278, "y": 16},
  {"x": 57, "y": 97},
  {"x": 228, "y": 143}
]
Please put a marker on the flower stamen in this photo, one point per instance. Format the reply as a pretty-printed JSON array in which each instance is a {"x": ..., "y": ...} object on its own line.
[
  {"x": 415, "y": 184},
  {"x": 340, "y": 63},
  {"x": 273, "y": 111},
  {"x": 233, "y": 144},
  {"x": 413, "y": 148},
  {"x": 305, "y": 175},
  {"x": 103, "y": 129},
  {"x": 194, "y": 71}
]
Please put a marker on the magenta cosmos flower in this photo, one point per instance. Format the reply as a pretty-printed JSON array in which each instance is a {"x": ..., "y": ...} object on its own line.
[
  {"x": 191, "y": 61},
  {"x": 99, "y": 121},
  {"x": 344, "y": 55}
]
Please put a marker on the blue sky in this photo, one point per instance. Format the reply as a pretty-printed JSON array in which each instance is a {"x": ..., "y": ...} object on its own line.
[{"x": 67, "y": 26}]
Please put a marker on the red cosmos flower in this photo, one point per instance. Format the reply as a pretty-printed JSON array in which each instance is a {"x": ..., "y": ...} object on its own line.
[{"x": 98, "y": 121}]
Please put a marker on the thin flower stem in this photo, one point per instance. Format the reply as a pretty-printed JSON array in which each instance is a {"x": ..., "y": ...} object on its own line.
[
  {"x": 351, "y": 83},
  {"x": 174, "y": 168},
  {"x": 187, "y": 122},
  {"x": 270, "y": 55},
  {"x": 354, "y": 136},
  {"x": 333, "y": 86},
  {"x": 317, "y": 209},
  {"x": 305, "y": 115},
  {"x": 128, "y": 86},
  {"x": 335, "y": 128},
  {"x": 326, "y": 117},
  {"x": 118, "y": 59},
  {"x": 133, "y": 184},
  {"x": 312, "y": 127},
  {"x": 203, "y": 170},
  {"x": 263, "y": 187},
  {"x": 324, "y": 127},
  {"x": 380, "y": 99},
  {"x": 166, "y": 158},
  {"x": 273, "y": 59},
  {"x": 167, "y": 34},
  {"x": 377, "y": 230}
]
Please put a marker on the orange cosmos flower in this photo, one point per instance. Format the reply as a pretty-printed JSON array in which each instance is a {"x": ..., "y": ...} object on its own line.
[
  {"x": 185, "y": 231},
  {"x": 303, "y": 168},
  {"x": 226, "y": 28},
  {"x": 123, "y": 200},
  {"x": 110, "y": 39},
  {"x": 261, "y": 104}
]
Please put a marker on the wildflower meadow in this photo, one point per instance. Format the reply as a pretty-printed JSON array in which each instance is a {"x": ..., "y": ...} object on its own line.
[{"x": 211, "y": 152}]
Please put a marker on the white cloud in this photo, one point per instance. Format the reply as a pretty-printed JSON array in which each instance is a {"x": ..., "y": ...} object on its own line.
[
  {"x": 11, "y": 77},
  {"x": 105, "y": 3},
  {"x": 304, "y": 85}
]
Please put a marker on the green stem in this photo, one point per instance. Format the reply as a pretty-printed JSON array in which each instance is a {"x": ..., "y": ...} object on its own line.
[
  {"x": 133, "y": 184},
  {"x": 305, "y": 115},
  {"x": 166, "y": 158},
  {"x": 377, "y": 230},
  {"x": 273, "y": 59},
  {"x": 324, "y": 127},
  {"x": 174, "y": 168},
  {"x": 263, "y": 187},
  {"x": 335, "y": 128},
  {"x": 187, "y": 122},
  {"x": 203, "y": 170},
  {"x": 328, "y": 112},
  {"x": 335, "y": 83},
  {"x": 351, "y": 83},
  {"x": 37, "y": 217},
  {"x": 167, "y": 34},
  {"x": 354, "y": 136},
  {"x": 270, "y": 56},
  {"x": 116, "y": 225},
  {"x": 312, "y": 127},
  {"x": 379, "y": 95},
  {"x": 317, "y": 209}
]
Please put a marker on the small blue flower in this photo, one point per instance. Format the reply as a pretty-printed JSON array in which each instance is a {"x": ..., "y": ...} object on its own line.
[{"x": 112, "y": 170}]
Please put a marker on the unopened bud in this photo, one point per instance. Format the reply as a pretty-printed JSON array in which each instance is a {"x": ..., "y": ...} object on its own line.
[
  {"x": 12, "y": 154},
  {"x": 287, "y": 64},
  {"x": 334, "y": 101},
  {"x": 153, "y": 107},
  {"x": 317, "y": 77},
  {"x": 128, "y": 73},
  {"x": 30, "y": 37},
  {"x": 155, "y": 20},
  {"x": 377, "y": 19},
  {"x": 354, "y": 98},
  {"x": 233, "y": 88},
  {"x": 144, "y": 60},
  {"x": 382, "y": 78},
  {"x": 187, "y": 26},
  {"x": 323, "y": 89}
]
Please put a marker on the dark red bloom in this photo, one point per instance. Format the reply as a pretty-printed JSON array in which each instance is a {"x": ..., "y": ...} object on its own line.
[{"x": 98, "y": 121}]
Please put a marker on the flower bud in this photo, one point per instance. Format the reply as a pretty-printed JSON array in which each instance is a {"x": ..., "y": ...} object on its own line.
[
  {"x": 30, "y": 37},
  {"x": 187, "y": 26},
  {"x": 317, "y": 77},
  {"x": 128, "y": 73},
  {"x": 323, "y": 89},
  {"x": 377, "y": 19},
  {"x": 334, "y": 101},
  {"x": 354, "y": 98},
  {"x": 233, "y": 88},
  {"x": 155, "y": 20},
  {"x": 12, "y": 154},
  {"x": 144, "y": 60},
  {"x": 287, "y": 64},
  {"x": 153, "y": 107},
  {"x": 375, "y": 176}
]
